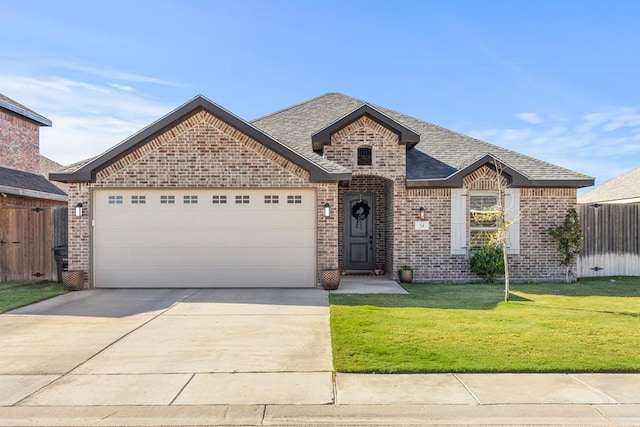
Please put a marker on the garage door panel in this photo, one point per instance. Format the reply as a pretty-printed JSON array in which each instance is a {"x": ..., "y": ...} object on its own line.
[
  {"x": 228, "y": 277},
  {"x": 205, "y": 244},
  {"x": 225, "y": 240}
]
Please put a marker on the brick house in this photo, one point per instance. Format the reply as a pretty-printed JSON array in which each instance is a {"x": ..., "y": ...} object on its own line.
[
  {"x": 202, "y": 198},
  {"x": 27, "y": 198}
]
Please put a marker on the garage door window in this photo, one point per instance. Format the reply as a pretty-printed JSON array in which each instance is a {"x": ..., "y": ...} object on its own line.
[
  {"x": 190, "y": 200},
  {"x": 242, "y": 200},
  {"x": 167, "y": 200},
  {"x": 219, "y": 200},
  {"x": 115, "y": 200},
  {"x": 138, "y": 200},
  {"x": 294, "y": 200},
  {"x": 270, "y": 200}
]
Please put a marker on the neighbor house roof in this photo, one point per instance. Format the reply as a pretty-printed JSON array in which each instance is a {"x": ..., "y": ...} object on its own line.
[
  {"x": 11, "y": 105},
  {"x": 47, "y": 166},
  {"x": 439, "y": 155},
  {"x": 319, "y": 169},
  {"x": 28, "y": 184},
  {"x": 624, "y": 188}
]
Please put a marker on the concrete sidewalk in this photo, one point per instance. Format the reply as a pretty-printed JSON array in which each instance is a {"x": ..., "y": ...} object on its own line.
[
  {"x": 252, "y": 357},
  {"x": 585, "y": 399}
]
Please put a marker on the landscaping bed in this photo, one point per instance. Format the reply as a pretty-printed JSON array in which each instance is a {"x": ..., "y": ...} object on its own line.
[{"x": 589, "y": 326}]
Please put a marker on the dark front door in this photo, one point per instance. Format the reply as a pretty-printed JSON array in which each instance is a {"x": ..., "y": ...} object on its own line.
[{"x": 359, "y": 214}]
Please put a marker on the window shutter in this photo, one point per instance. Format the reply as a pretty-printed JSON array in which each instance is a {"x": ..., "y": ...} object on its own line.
[
  {"x": 511, "y": 213},
  {"x": 458, "y": 221}
]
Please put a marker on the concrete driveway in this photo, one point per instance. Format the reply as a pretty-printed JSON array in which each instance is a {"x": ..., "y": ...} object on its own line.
[{"x": 170, "y": 346}]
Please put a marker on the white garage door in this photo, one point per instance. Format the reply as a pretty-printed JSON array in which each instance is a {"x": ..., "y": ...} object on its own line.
[{"x": 204, "y": 238}]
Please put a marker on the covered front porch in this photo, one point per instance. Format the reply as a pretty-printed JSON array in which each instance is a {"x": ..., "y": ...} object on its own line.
[{"x": 366, "y": 226}]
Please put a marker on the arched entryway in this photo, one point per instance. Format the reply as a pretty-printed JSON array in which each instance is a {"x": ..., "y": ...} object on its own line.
[{"x": 366, "y": 225}]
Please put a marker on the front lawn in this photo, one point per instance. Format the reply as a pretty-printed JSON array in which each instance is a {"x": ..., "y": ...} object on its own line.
[
  {"x": 17, "y": 294},
  {"x": 591, "y": 326}
]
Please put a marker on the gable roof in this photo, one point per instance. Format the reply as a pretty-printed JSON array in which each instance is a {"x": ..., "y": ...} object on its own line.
[
  {"x": 319, "y": 169},
  {"x": 436, "y": 157},
  {"x": 455, "y": 178},
  {"x": 439, "y": 155},
  {"x": 624, "y": 188},
  {"x": 405, "y": 135},
  {"x": 28, "y": 184},
  {"x": 11, "y": 105}
]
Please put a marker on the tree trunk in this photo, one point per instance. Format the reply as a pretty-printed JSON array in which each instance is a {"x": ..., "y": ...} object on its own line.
[{"x": 506, "y": 275}]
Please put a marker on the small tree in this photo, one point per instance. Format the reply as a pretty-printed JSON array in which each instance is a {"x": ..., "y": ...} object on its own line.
[
  {"x": 497, "y": 215},
  {"x": 569, "y": 238}
]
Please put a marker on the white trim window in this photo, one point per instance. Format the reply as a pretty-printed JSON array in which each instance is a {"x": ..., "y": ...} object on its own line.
[
  {"x": 484, "y": 209},
  {"x": 471, "y": 230}
]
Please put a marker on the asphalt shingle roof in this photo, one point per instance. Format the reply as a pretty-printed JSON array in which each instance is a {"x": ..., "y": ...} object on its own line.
[
  {"x": 11, "y": 105},
  {"x": 20, "y": 180},
  {"x": 622, "y": 187},
  {"x": 439, "y": 153}
]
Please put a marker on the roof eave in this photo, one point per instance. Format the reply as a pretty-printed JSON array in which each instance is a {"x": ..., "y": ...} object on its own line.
[
  {"x": 516, "y": 178},
  {"x": 87, "y": 173},
  {"x": 405, "y": 135},
  {"x": 42, "y": 121},
  {"x": 34, "y": 194},
  {"x": 330, "y": 177},
  {"x": 454, "y": 182}
]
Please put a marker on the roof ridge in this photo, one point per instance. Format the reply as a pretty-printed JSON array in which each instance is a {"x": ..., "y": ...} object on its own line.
[{"x": 291, "y": 107}]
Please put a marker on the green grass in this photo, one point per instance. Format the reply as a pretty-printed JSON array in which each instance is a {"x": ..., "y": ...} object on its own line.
[
  {"x": 591, "y": 326},
  {"x": 18, "y": 294}
]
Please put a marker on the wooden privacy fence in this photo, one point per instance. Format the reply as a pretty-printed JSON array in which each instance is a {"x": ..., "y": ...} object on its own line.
[
  {"x": 27, "y": 236},
  {"x": 611, "y": 245}
]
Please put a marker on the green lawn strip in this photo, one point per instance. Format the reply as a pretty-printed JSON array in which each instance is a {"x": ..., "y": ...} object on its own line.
[
  {"x": 591, "y": 326},
  {"x": 18, "y": 294}
]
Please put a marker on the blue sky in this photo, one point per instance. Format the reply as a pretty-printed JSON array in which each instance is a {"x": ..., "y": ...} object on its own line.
[{"x": 557, "y": 80}]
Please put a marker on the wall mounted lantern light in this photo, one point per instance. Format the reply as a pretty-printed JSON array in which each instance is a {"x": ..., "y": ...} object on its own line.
[
  {"x": 79, "y": 209},
  {"x": 327, "y": 209},
  {"x": 421, "y": 213}
]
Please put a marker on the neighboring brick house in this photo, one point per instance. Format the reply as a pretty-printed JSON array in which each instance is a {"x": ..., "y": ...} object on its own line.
[
  {"x": 204, "y": 198},
  {"x": 27, "y": 198}
]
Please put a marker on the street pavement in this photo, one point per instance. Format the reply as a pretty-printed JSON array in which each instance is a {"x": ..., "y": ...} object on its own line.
[{"x": 252, "y": 357}]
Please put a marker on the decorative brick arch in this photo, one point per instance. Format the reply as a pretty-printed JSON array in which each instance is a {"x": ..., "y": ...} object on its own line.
[{"x": 484, "y": 178}]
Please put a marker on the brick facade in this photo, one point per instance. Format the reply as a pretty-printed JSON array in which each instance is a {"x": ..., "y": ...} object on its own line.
[
  {"x": 203, "y": 151},
  {"x": 538, "y": 261},
  {"x": 384, "y": 178},
  {"x": 19, "y": 142}
]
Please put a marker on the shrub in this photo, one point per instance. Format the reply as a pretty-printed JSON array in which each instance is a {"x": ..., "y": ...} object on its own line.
[
  {"x": 488, "y": 263},
  {"x": 569, "y": 238}
]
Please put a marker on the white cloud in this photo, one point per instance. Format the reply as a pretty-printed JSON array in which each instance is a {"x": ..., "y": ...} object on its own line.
[
  {"x": 122, "y": 87},
  {"x": 532, "y": 118},
  {"x": 601, "y": 144},
  {"x": 87, "y": 118},
  {"x": 109, "y": 73}
]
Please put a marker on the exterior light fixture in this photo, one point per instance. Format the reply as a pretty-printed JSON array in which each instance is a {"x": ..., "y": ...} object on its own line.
[
  {"x": 79, "y": 209},
  {"x": 327, "y": 209},
  {"x": 421, "y": 213}
]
